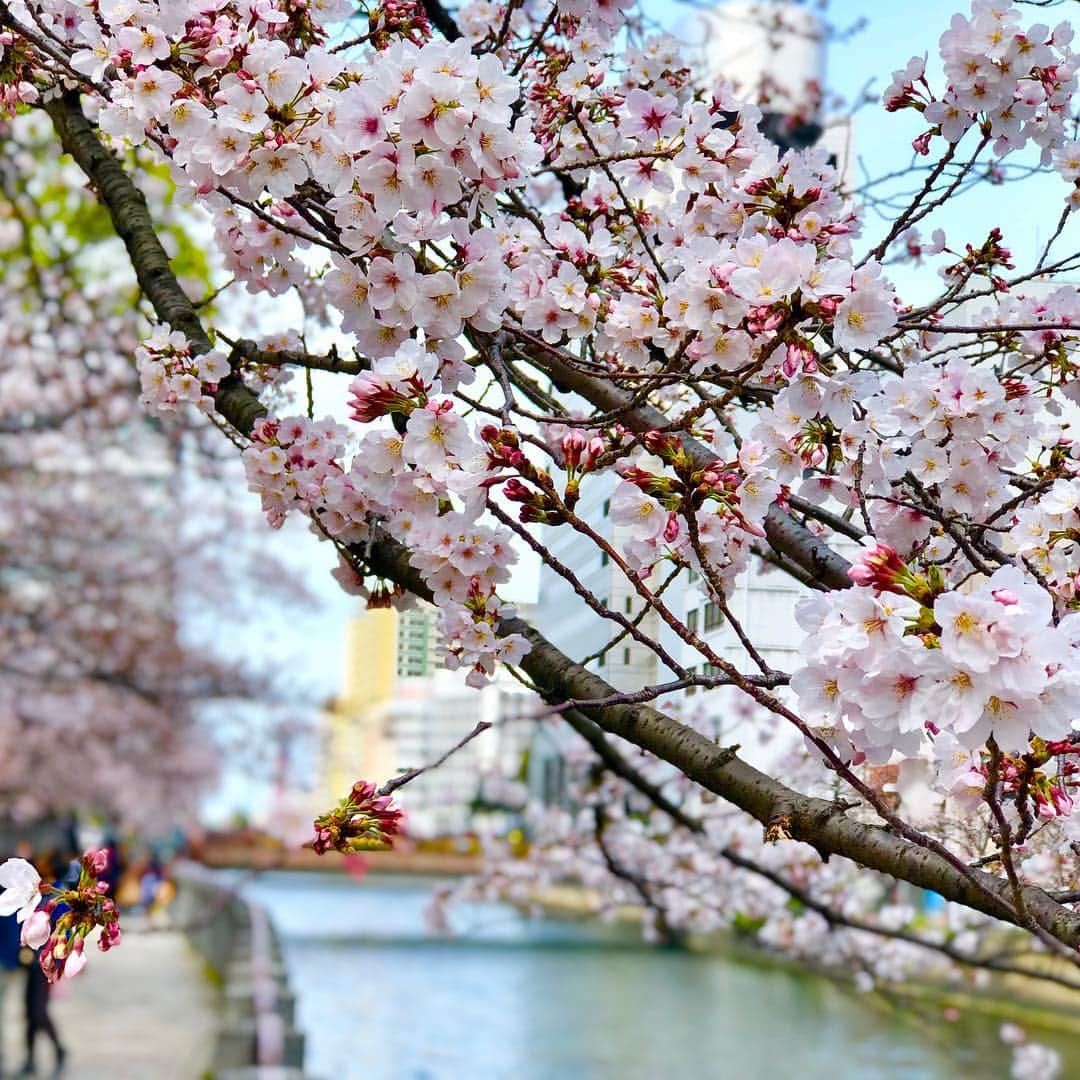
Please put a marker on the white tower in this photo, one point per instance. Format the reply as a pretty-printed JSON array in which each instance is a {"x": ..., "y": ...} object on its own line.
[{"x": 772, "y": 52}]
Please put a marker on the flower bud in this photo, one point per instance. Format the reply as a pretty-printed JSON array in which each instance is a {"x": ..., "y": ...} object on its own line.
[
  {"x": 76, "y": 961},
  {"x": 36, "y": 930}
]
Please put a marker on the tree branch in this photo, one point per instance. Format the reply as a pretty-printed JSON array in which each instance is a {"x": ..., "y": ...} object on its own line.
[
  {"x": 822, "y": 824},
  {"x": 784, "y": 533}
]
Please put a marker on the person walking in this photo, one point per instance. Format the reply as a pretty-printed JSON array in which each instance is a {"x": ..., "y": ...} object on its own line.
[
  {"x": 38, "y": 1019},
  {"x": 10, "y": 932}
]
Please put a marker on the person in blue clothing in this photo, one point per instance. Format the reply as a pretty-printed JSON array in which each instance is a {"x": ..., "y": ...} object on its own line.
[
  {"x": 9, "y": 953},
  {"x": 10, "y": 932},
  {"x": 37, "y": 986}
]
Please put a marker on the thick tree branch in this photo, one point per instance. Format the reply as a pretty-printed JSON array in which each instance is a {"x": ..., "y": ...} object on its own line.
[
  {"x": 615, "y": 763},
  {"x": 131, "y": 219},
  {"x": 784, "y": 533},
  {"x": 820, "y": 823}
]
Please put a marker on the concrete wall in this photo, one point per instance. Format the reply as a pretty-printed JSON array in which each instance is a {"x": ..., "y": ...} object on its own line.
[{"x": 257, "y": 1038}]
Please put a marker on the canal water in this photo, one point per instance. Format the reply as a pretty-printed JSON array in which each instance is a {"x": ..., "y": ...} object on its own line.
[{"x": 381, "y": 997}]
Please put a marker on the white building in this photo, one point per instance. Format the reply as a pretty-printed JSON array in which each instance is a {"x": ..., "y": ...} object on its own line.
[
  {"x": 763, "y": 602},
  {"x": 426, "y": 716},
  {"x": 772, "y": 52},
  {"x": 567, "y": 620}
]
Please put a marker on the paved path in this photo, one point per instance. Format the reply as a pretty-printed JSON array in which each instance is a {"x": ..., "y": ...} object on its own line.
[{"x": 144, "y": 1011}]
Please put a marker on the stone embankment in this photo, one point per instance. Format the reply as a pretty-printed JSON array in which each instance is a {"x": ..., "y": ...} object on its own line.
[{"x": 256, "y": 1036}]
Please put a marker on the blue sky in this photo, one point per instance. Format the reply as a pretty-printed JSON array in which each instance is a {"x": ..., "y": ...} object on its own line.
[{"x": 893, "y": 33}]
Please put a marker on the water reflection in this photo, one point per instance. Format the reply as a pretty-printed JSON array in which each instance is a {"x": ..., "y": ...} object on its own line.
[{"x": 527, "y": 999}]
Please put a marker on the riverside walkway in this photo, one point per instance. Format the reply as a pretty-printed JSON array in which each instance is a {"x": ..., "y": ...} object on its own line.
[{"x": 144, "y": 1011}]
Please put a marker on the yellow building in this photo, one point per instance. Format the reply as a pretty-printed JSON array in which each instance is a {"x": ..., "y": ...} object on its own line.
[
  {"x": 399, "y": 708},
  {"x": 358, "y": 745}
]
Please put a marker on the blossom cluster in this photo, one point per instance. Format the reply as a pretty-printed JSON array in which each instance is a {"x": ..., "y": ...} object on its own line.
[
  {"x": 293, "y": 464},
  {"x": 59, "y": 927},
  {"x": 1044, "y": 347},
  {"x": 1030, "y": 1060},
  {"x": 893, "y": 662},
  {"x": 413, "y": 130},
  {"x": 1046, "y": 534},
  {"x": 751, "y": 258},
  {"x": 953, "y": 429},
  {"x": 1014, "y": 83},
  {"x": 172, "y": 376},
  {"x": 939, "y": 437},
  {"x": 427, "y": 478},
  {"x": 704, "y": 518},
  {"x": 363, "y": 821},
  {"x": 425, "y": 482}
]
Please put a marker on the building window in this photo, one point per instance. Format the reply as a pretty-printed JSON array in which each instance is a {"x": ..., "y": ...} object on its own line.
[
  {"x": 713, "y": 616},
  {"x": 600, "y": 659},
  {"x": 604, "y": 558},
  {"x": 607, "y": 507},
  {"x": 629, "y": 605},
  {"x": 626, "y": 657},
  {"x": 554, "y": 781},
  {"x": 691, "y": 621}
]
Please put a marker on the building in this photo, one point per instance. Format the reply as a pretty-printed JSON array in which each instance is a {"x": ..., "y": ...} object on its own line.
[
  {"x": 417, "y": 644},
  {"x": 356, "y": 744},
  {"x": 401, "y": 709},
  {"x": 568, "y": 622},
  {"x": 773, "y": 52}
]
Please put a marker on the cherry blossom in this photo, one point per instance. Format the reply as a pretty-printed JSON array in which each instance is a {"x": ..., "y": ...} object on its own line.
[
  {"x": 21, "y": 893},
  {"x": 582, "y": 300}
]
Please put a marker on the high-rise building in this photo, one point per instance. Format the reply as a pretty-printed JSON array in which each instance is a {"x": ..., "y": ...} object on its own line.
[
  {"x": 356, "y": 743},
  {"x": 774, "y": 53},
  {"x": 571, "y": 624},
  {"x": 417, "y": 643}
]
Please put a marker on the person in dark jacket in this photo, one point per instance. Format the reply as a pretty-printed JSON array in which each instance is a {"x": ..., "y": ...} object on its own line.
[
  {"x": 38, "y": 1019},
  {"x": 10, "y": 933}
]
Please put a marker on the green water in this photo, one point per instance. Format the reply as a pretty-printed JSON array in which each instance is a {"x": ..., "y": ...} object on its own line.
[{"x": 382, "y": 999}]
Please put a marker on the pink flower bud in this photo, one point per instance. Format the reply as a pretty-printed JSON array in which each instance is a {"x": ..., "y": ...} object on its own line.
[
  {"x": 880, "y": 567},
  {"x": 573, "y": 445},
  {"x": 671, "y": 529},
  {"x": 36, "y": 930},
  {"x": 1063, "y": 804},
  {"x": 75, "y": 962},
  {"x": 96, "y": 862}
]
